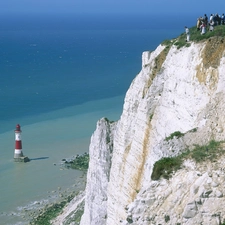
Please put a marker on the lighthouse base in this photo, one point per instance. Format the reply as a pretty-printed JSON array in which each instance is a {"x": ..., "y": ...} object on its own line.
[{"x": 22, "y": 159}]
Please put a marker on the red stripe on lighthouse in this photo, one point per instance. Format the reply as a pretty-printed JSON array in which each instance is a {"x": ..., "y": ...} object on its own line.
[{"x": 18, "y": 145}]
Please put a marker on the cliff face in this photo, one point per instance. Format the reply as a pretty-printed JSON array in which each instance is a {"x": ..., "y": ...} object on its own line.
[
  {"x": 176, "y": 90},
  {"x": 100, "y": 153}
]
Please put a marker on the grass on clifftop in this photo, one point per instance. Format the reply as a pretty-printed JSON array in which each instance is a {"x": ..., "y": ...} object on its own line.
[
  {"x": 166, "y": 166},
  {"x": 196, "y": 36}
]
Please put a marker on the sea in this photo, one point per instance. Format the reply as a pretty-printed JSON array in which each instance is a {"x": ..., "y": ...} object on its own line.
[{"x": 59, "y": 74}]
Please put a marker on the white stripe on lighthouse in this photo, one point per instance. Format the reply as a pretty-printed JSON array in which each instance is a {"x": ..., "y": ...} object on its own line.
[
  {"x": 17, "y": 136},
  {"x": 18, "y": 151}
]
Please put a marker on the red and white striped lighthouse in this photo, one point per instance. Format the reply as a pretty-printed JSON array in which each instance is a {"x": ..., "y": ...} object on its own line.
[
  {"x": 18, "y": 154},
  {"x": 18, "y": 143}
]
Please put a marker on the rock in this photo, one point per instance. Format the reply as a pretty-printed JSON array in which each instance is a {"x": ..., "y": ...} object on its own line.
[
  {"x": 206, "y": 194},
  {"x": 219, "y": 194},
  {"x": 198, "y": 201},
  {"x": 129, "y": 219},
  {"x": 190, "y": 210},
  {"x": 214, "y": 184}
]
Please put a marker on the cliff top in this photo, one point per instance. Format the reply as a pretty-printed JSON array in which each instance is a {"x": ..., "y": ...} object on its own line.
[{"x": 196, "y": 36}]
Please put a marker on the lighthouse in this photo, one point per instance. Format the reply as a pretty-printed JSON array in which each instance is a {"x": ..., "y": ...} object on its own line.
[{"x": 18, "y": 154}]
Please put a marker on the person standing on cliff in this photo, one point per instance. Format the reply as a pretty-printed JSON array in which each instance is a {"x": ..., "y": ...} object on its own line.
[
  {"x": 211, "y": 25},
  {"x": 205, "y": 18},
  {"x": 187, "y": 34},
  {"x": 222, "y": 19},
  {"x": 198, "y": 23},
  {"x": 203, "y": 28}
]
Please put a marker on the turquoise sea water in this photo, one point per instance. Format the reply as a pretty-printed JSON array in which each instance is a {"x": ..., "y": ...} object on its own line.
[
  {"x": 58, "y": 76},
  {"x": 57, "y": 135}
]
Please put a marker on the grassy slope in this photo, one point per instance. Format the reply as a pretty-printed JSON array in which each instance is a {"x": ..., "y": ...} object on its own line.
[{"x": 195, "y": 36}]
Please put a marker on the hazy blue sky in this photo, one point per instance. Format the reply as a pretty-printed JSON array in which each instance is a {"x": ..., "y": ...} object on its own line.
[{"x": 111, "y": 6}]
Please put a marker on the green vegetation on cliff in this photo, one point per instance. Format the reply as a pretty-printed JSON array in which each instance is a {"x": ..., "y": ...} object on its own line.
[
  {"x": 166, "y": 166},
  {"x": 196, "y": 36},
  {"x": 50, "y": 212},
  {"x": 177, "y": 134},
  {"x": 81, "y": 162}
]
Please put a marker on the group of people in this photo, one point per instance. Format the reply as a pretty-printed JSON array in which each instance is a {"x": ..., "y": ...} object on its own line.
[
  {"x": 203, "y": 23},
  {"x": 214, "y": 20}
]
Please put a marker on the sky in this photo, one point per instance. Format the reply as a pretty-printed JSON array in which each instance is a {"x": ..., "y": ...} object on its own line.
[{"x": 110, "y": 6}]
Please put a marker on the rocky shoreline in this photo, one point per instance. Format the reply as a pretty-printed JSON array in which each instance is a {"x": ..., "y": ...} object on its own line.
[
  {"x": 78, "y": 162},
  {"x": 48, "y": 212},
  {"x": 72, "y": 212},
  {"x": 43, "y": 210}
]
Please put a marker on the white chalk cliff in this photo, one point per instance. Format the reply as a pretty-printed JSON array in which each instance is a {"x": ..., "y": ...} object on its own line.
[{"x": 176, "y": 90}]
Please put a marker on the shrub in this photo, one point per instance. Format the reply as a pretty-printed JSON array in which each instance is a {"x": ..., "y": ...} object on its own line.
[
  {"x": 167, "y": 218},
  {"x": 151, "y": 116},
  {"x": 210, "y": 151},
  {"x": 177, "y": 134},
  {"x": 129, "y": 219},
  {"x": 109, "y": 121},
  {"x": 80, "y": 162},
  {"x": 194, "y": 130},
  {"x": 198, "y": 154},
  {"x": 165, "y": 166}
]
